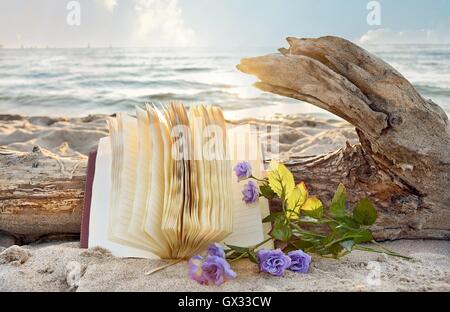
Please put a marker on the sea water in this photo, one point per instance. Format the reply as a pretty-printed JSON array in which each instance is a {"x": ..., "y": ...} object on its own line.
[{"x": 77, "y": 82}]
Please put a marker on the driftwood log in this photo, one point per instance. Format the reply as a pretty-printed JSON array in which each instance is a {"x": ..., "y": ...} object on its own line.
[
  {"x": 402, "y": 162},
  {"x": 41, "y": 195}
]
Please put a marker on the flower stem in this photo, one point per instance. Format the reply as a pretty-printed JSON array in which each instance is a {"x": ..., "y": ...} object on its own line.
[
  {"x": 262, "y": 243},
  {"x": 255, "y": 178},
  {"x": 251, "y": 248},
  {"x": 298, "y": 228},
  {"x": 163, "y": 267},
  {"x": 390, "y": 253},
  {"x": 242, "y": 255}
]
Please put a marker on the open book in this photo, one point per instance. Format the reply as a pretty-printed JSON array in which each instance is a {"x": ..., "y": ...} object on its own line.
[{"x": 164, "y": 185}]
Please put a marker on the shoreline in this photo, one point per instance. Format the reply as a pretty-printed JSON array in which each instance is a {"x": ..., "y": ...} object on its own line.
[{"x": 264, "y": 111}]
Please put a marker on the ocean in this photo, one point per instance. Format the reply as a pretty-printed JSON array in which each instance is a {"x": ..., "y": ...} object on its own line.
[{"x": 77, "y": 82}]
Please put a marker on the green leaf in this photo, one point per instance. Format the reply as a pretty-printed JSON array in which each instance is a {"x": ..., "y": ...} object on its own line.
[
  {"x": 282, "y": 234},
  {"x": 306, "y": 238},
  {"x": 339, "y": 201},
  {"x": 281, "y": 231},
  {"x": 365, "y": 213},
  {"x": 348, "y": 222},
  {"x": 315, "y": 214},
  {"x": 326, "y": 249},
  {"x": 298, "y": 244},
  {"x": 296, "y": 200},
  {"x": 348, "y": 244},
  {"x": 313, "y": 208},
  {"x": 267, "y": 192},
  {"x": 252, "y": 256},
  {"x": 281, "y": 180},
  {"x": 239, "y": 250},
  {"x": 274, "y": 216},
  {"x": 361, "y": 236},
  {"x": 335, "y": 249}
]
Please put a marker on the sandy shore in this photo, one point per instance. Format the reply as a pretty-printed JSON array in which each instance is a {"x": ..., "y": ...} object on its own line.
[
  {"x": 300, "y": 135},
  {"x": 65, "y": 267},
  {"x": 62, "y": 266}
]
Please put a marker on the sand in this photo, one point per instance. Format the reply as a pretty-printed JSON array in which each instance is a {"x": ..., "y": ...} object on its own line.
[
  {"x": 299, "y": 135},
  {"x": 63, "y": 266},
  {"x": 65, "y": 137}
]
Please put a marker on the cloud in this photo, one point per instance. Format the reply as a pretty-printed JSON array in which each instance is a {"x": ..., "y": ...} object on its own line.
[
  {"x": 423, "y": 36},
  {"x": 160, "y": 23}
]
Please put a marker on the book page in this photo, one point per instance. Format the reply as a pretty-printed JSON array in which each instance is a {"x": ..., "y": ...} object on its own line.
[
  {"x": 143, "y": 177},
  {"x": 157, "y": 184},
  {"x": 187, "y": 228},
  {"x": 207, "y": 207},
  {"x": 248, "y": 228},
  {"x": 124, "y": 144},
  {"x": 171, "y": 223},
  {"x": 100, "y": 207},
  {"x": 221, "y": 164}
]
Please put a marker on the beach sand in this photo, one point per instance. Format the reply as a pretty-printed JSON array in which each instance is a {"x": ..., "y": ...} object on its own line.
[
  {"x": 299, "y": 134},
  {"x": 63, "y": 266}
]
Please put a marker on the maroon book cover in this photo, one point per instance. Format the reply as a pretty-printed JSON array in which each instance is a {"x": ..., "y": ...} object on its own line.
[{"x": 84, "y": 232}]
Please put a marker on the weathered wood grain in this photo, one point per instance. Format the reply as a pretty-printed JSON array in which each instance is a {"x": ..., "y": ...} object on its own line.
[
  {"x": 40, "y": 194},
  {"x": 403, "y": 160}
]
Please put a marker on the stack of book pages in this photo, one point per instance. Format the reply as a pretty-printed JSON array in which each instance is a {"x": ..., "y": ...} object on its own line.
[{"x": 164, "y": 185}]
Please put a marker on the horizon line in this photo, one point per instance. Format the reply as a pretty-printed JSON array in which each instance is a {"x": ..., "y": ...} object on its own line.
[{"x": 24, "y": 47}]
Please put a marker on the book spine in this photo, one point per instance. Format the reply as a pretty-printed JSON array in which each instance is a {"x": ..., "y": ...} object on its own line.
[{"x": 85, "y": 217}]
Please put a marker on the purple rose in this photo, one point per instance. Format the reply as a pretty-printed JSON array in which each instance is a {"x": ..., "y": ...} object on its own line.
[
  {"x": 216, "y": 250},
  {"x": 274, "y": 262},
  {"x": 195, "y": 270},
  {"x": 217, "y": 270},
  {"x": 299, "y": 261},
  {"x": 243, "y": 170},
  {"x": 250, "y": 192}
]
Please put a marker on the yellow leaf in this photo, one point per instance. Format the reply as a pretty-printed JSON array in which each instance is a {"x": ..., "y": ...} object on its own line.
[
  {"x": 312, "y": 203},
  {"x": 296, "y": 200},
  {"x": 281, "y": 180},
  {"x": 313, "y": 208},
  {"x": 302, "y": 187}
]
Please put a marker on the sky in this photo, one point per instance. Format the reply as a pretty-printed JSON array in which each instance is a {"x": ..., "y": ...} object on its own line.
[{"x": 218, "y": 23}]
